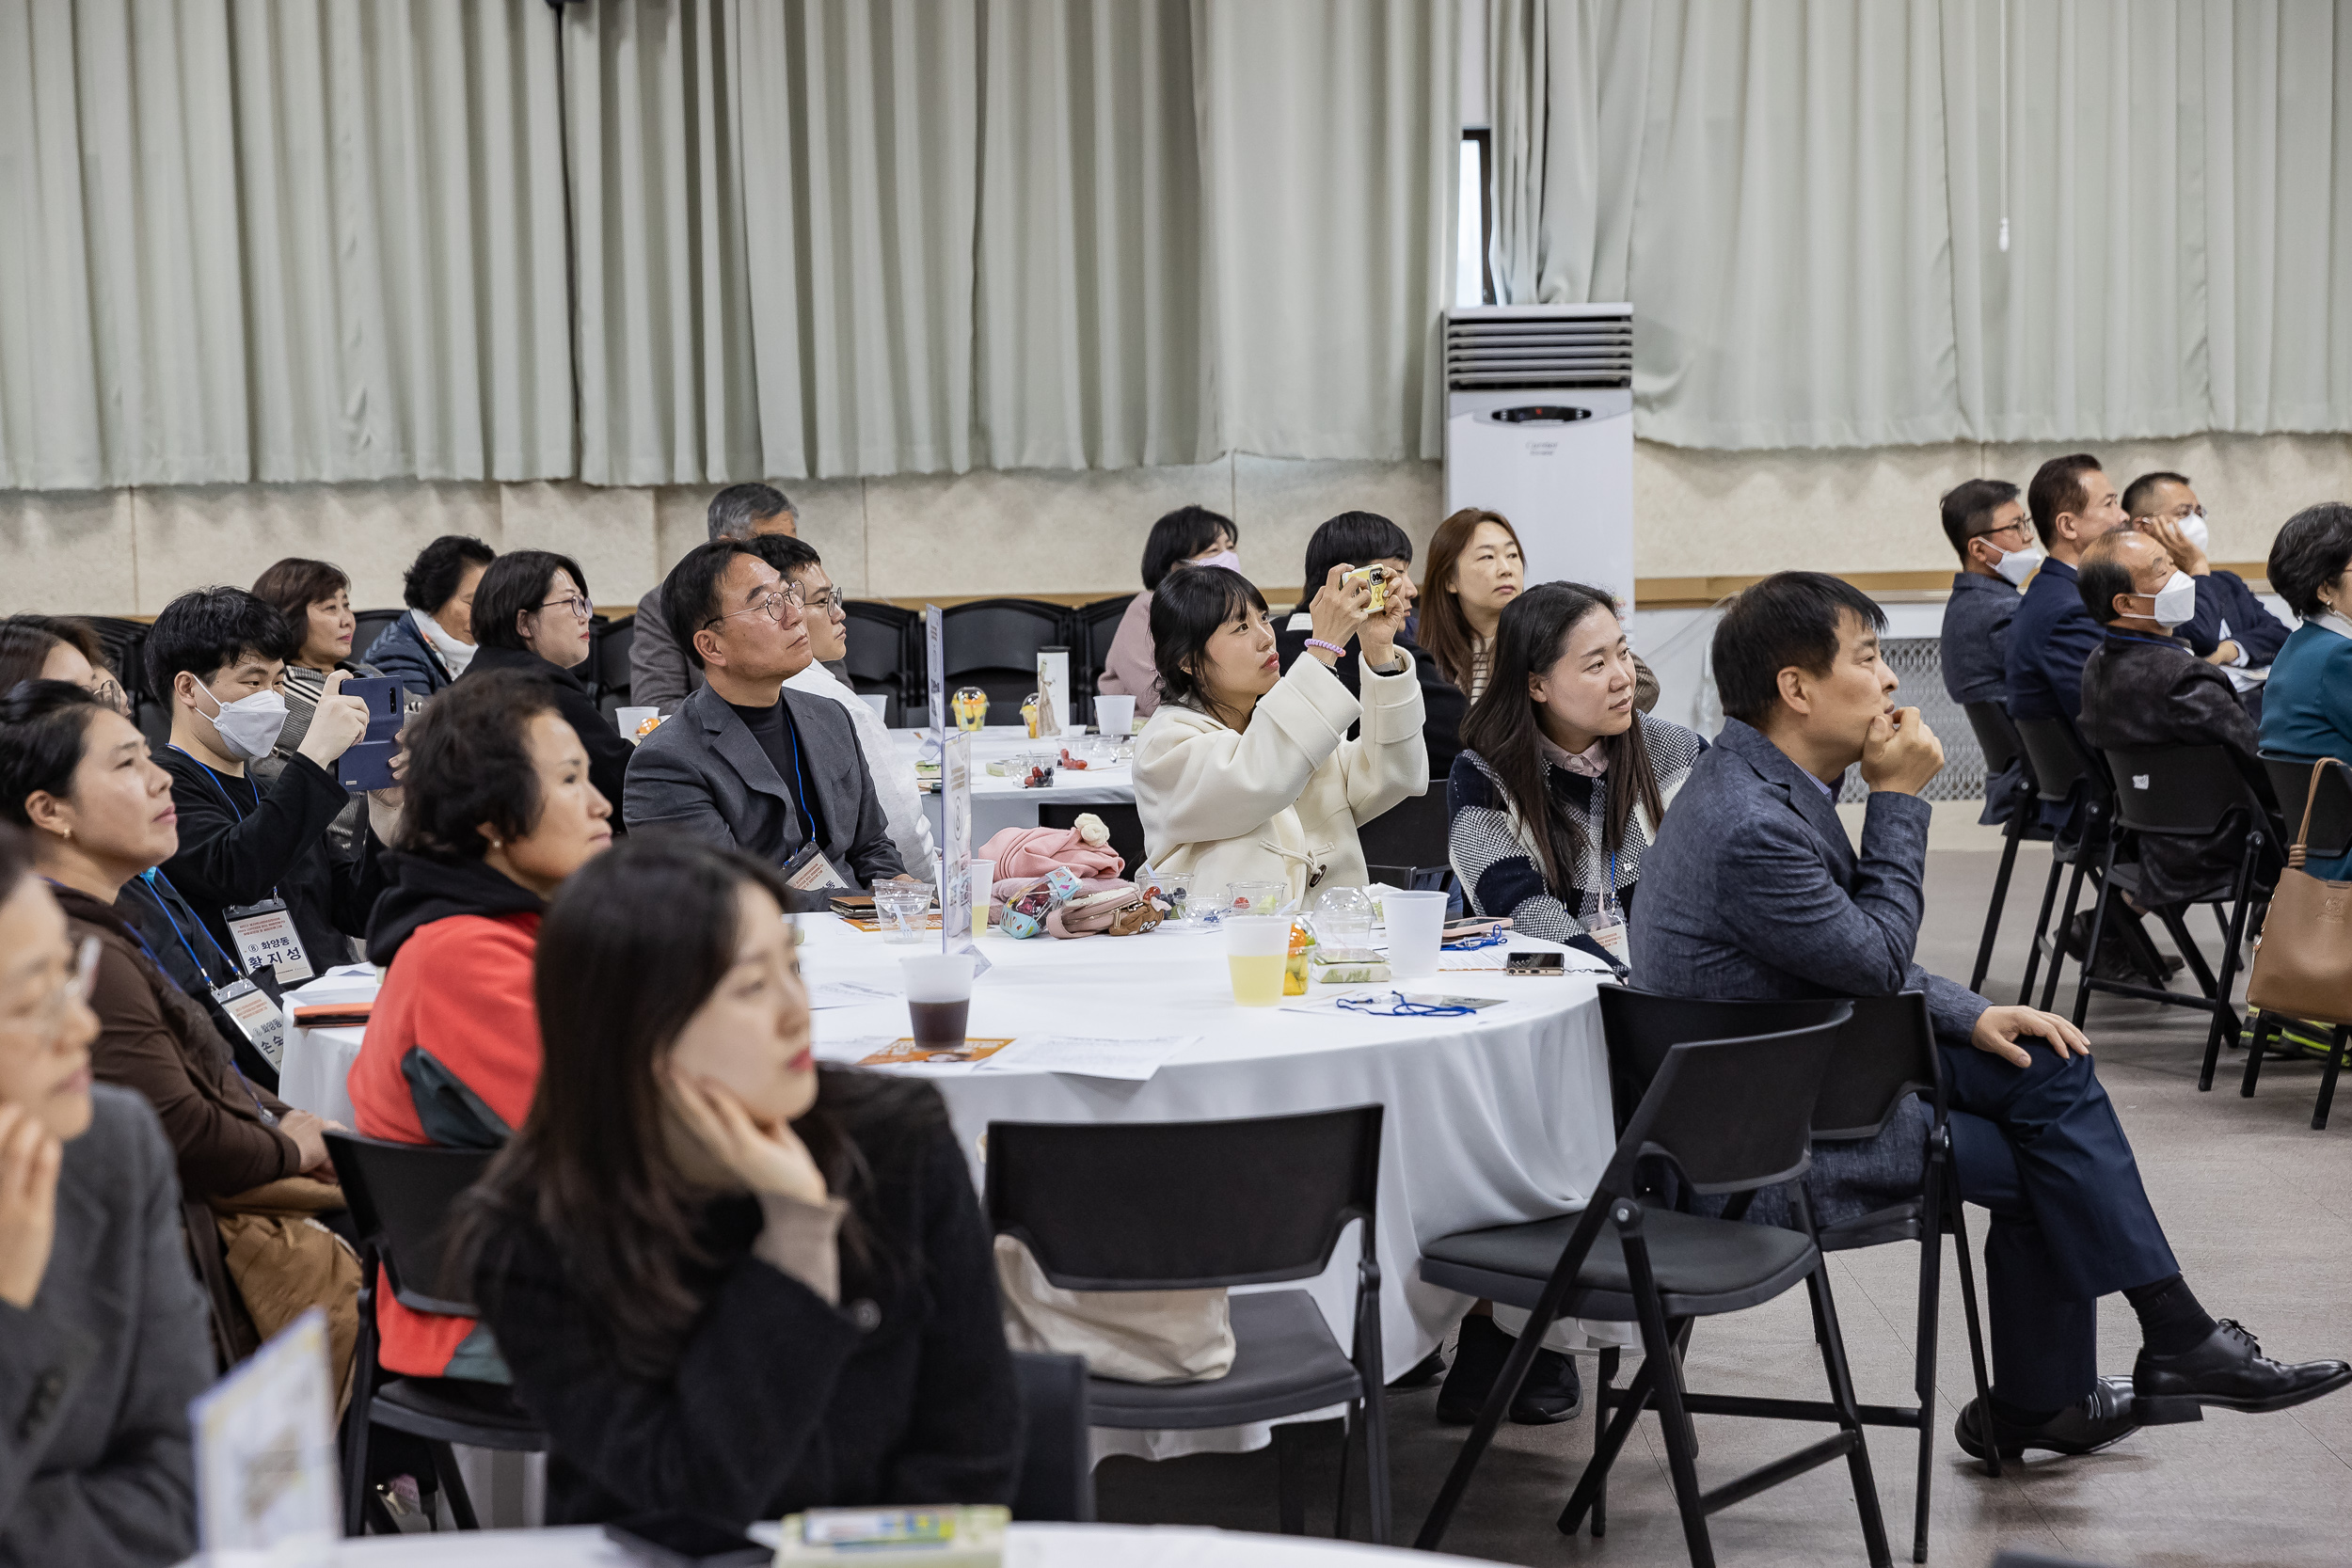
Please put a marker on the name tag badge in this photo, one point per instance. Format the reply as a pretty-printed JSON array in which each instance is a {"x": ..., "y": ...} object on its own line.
[
  {"x": 810, "y": 871},
  {"x": 260, "y": 1018},
  {"x": 1612, "y": 937},
  {"x": 266, "y": 939}
]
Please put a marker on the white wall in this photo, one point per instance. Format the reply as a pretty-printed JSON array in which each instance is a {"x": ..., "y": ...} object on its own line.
[{"x": 1698, "y": 515}]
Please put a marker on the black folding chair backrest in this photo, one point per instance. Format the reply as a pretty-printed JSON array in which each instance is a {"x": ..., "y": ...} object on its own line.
[
  {"x": 1885, "y": 1048},
  {"x": 1098, "y": 623},
  {"x": 2057, "y": 759},
  {"x": 1057, "y": 1481},
  {"x": 1731, "y": 1115},
  {"x": 2192, "y": 790},
  {"x": 2331, "y": 832},
  {"x": 993, "y": 644},
  {"x": 368, "y": 624},
  {"x": 1996, "y": 738},
  {"x": 882, "y": 644},
  {"x": 613, "y": 651},
  {"x": 1182, "y": 1205},
  {"x": 126, "y": 643},
  {"x": 400, "y": 1196},
  {"x": 1414, "y": 831}
]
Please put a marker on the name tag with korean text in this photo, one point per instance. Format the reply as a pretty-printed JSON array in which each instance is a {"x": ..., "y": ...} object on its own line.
[{"x": 266, "y": 938}]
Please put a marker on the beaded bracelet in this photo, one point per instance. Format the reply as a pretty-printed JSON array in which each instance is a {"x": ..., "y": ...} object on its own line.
[{"x": 1336, "y": 651}]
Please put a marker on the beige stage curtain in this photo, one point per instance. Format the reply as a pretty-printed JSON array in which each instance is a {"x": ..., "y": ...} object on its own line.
[
  {"x": 1803, "y": 200},
  {"x": 271, "y": 241}
]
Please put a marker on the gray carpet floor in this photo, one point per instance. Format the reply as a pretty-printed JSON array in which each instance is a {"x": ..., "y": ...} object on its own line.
[{"x": 2259, "y": 1208}]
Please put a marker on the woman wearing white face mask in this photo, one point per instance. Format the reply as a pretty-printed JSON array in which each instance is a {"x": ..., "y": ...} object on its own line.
[
  {"x": 1188, "y": 536},
  {"x": 254, "y": 858}
]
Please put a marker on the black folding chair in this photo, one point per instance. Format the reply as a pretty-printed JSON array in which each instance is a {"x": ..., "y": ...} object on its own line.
[
  {"x": 400, "y": 1196},
  {"x": 2325, "y": 832},
  {"x": 2064, "y": 768},
  {"x": 885, "y": 654},
  {"x": 1997, "y": 739},
  {"x": 367, "y": 626},
  {"x": 1056, "y": 1482},
  {"x": 993, "y": 644},
  {"x": 1414, "y": 831},
  {"x": 1096, "y": 1205},
  {"x": 1096, "y": 625},
  {"x": 1732, "y": 1118},
  {"x": 1886, "y": 1053},
  {"x": 2190, "y": 792},
  {"x": 612, "y": 666},
  {"x": 126, "y": 643}
]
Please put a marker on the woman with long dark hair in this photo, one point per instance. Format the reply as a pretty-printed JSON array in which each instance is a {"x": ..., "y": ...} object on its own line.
[
  {"x": 1562, "y": 781},
  {"x": 726, "y": 1279},
  {"x": 1475, "y": 569},
  {"x": 1247, "y": 773}
]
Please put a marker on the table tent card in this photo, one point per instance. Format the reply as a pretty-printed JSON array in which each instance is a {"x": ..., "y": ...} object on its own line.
[{"x": 265, "y": 1489}]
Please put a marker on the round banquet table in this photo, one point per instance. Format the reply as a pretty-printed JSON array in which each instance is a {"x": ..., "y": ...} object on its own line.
[
  {"x": 1492, "y": 1119},
  {"x": 1025, "y": 1546},
  {"x": 999, "y": 802}
]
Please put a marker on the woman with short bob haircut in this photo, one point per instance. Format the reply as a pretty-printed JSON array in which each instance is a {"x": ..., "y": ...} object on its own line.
[
  {"x": 1188, "y": 536},
  {"x": 532, "y": 611},
  {"x": 1562, "y": 781},
  {"x": 432, "y": 642},
  {"x": 728, "y": 1280},
  {"x": 314, "y": 596},
  {"x": 2307, "y": 702},
  {"x": 1247, "y": 773}
]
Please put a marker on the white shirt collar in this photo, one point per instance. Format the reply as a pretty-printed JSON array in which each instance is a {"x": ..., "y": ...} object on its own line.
[
  {"x": 2334, "y": 622},
  {"x": 455, "y": 654}
]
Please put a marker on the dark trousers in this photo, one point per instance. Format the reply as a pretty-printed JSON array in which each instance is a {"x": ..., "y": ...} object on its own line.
[{"x": 2040, "y": 1148}]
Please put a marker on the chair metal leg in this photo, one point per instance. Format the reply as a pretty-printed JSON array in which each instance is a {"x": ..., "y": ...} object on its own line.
[
  {"x": 2040, "y": 926},
  {"x": 1923, "y": 1377},
  {"x": 1290, "y": 1478},
  {"x": 2267, "y": 1027},
  {"x": 453, "y": 1487},
  {"x": 1607, "y": 1442},
  {"x": 2192, "y": 954},
  {"x": 1956, "y": 1220},
  {"x": 2098, "y": 932},
  {"x": 363, "y": 1400},
  {"x": 1672, "y": 1419},
  {"x": 1481, "y": 1432},
  {"x": 2225, "y": 985},
  {"x": 2000, "y": 897},
  {"x": 1607, "y": 1375},
  {"x": 2328, "y": 1079},
  {"x": 1349, "y": 1427},
  {"x": 2066, "y": 919},
  {"x": 1865, "y": 1492}
]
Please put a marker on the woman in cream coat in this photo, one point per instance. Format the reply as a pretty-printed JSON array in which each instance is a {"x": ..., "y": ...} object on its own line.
[{"x": 1246, "y": 774}]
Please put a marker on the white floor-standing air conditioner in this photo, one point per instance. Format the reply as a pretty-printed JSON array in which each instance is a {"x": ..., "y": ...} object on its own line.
[{"x": 1539, "y": 427}]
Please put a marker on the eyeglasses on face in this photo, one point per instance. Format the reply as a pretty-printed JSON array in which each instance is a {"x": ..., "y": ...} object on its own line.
[
  {"x": 577, "y": 604},
  {"x": 46, "y": 1018},
  {"x": 770, "y": 604}
]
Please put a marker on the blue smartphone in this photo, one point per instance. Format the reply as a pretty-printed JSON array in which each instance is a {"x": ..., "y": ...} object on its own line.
[{"x": 368, "y": 765}]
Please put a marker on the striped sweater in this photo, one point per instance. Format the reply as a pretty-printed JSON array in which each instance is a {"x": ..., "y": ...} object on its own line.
[{"x": 1495, "y": 854}]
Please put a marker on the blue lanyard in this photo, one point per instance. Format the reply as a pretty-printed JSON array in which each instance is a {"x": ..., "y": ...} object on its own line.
[
  {"x": 800, "y": 786},
  {"x": 217, "y": 783},
  {"x": 126, "y": 925},
  {"x": 150, "y": 880}
]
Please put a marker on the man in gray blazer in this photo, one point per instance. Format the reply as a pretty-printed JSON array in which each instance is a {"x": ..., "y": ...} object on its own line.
[
  {"x": 744, "y": 763},
  {"x": 1752, "y": 890}
]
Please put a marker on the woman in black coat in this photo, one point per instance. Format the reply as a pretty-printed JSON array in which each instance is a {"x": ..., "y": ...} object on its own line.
[
  {"x": 724, "y": 1280},
  {"x": 530, "y": 612}
]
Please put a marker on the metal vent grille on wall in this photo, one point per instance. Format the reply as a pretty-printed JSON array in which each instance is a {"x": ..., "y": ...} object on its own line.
[
  {"x": 1539, "y": 345},
  {"x": 1918, "y": 663}
]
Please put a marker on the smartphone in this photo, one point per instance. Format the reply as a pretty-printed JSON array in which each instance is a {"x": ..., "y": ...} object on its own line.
[
  {"x": 368, "y": 764},
  {"x": 685, "y": 1540},
  {"x": 1535, "y": 963},
  {"x": 1377, "y": 577}
]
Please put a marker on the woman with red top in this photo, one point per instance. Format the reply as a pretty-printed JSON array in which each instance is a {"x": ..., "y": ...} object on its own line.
[{"x": 500, "y": 809}]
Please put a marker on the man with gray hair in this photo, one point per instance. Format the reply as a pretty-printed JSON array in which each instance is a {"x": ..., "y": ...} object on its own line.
[{"x": 660, "y": 673}]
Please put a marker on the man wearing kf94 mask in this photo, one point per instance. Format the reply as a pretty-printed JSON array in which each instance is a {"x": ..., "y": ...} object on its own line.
[
  {"x": 219, "y": 652},
  {"x": 1753, "y": 889},
  {"x": 2230, "y": 628}
]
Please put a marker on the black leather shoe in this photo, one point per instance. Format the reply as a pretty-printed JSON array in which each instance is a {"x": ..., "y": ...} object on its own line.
[
  {"x": 1425, "y": 1371},
  {"x": 2100, "y": 1419},
  {"x": 1551, "y": 1393},
  {"x": 2228, "y": 1370}
]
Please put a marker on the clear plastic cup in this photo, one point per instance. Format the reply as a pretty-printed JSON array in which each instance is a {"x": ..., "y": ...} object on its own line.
[
  {"x": 1256, "y": 948},
  {"x": 1115, "y": 715},
  {"x": 1177, "y": 887},
  {"x": 939, "y": 998},
  {"x": 1416, "y": 927},
  {"x": 1254, "y": 897},
  {"x": 903, "y": 911},
  {"x": 983, "y": 879}
]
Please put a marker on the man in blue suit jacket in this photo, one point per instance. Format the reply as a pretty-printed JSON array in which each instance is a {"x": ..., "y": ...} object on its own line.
[
  {"x": 1752, "y": 890},
  {"x": 2072, "y": 503}
]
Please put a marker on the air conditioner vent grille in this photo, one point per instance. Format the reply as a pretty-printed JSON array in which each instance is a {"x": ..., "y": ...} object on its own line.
[{"x": 1577, "y": 346}]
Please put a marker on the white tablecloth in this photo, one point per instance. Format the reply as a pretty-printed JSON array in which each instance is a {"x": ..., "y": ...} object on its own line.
[
  {"x": 1491, "y": 1119},
  {"x": 999, "y": 802},
  {"x": 1025, "y": 1546}
]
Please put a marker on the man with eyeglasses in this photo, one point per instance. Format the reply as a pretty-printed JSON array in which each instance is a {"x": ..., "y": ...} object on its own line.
[
  {"x": 746, "y": 762},
  {"x": 825, "y": 676},
  {"x": 2232, "y": 629},
  {"x": 660, "y": 673},
  {"x": 1987, "y": 525}
]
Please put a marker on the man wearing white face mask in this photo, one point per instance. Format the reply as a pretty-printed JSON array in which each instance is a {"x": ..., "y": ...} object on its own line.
[
  {"x": 2232, "y": 629},
  {"x": 2143, "y": 686},
  {"x": 1987, "y": 526},
  {"x": 254, "y": 860}
]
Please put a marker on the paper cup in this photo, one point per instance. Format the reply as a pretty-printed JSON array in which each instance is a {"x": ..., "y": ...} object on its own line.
[
  {"x": 939, "y": 998},
  {"x": 1416, "y": 925},
  {"x": 628, "y": 719},
  {"x": 1256, "y": 948},
  {"x": 879, "y": 702},
  {"x": 1115, "y": 715}
]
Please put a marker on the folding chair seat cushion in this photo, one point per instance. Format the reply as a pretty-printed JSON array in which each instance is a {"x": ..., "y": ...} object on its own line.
[
  {"x": 1285, "y": 1362},
  {"x": 1900, "y": 1222},
  {"x": 456, "y": 1410},
  {"x": 1704, "y": 1266}
]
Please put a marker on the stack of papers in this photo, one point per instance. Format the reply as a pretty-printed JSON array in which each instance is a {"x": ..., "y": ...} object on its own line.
[{"x": 1135, "y": 1060}]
